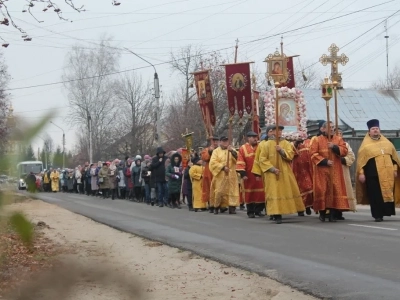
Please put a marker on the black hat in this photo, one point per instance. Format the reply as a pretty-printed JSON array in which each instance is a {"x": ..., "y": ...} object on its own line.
[
  {"x": 372, "y": 123},
  {"x": 195, "y": 160},
  {"x": 223, "y": 138},
  {"x": 251, "y": 133},
  {"x": 321, "y": 123},
  {"x": 215, "y": 138},
  {"x": 273, "y": 127}
]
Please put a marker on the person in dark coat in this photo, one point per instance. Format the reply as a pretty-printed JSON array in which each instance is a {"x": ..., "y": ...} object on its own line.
[
  {"x": 137, "y": 180},
  {"x": 189, "y": 187},
  {"x": 146, "y": 178},
  {"x": 88, "y": 180},
  {"x": 157, "y": 169},
  {"x": 174, "y": 173}
]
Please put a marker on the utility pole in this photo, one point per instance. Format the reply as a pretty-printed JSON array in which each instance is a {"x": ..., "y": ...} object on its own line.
[
  {"x": 387, "y": 54},
  {"x": 63, "y": 143},
  {"x": 89, "y": 118},
  {"x": 156, "y": 96}
]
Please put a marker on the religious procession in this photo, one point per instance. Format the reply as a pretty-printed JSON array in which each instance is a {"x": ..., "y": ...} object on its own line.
[{"x": 281, "y": 170}]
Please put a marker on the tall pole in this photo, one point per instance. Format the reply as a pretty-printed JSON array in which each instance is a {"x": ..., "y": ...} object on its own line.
[
  {"x": 156, "y": 96},
  {"x": 63, "y": 143},
  {"x": 387, "y": 54},
  {"x": 90, "y": 138}
]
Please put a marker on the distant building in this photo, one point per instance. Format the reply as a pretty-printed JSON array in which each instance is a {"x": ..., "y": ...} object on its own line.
[{"x": 355, "y": 108}]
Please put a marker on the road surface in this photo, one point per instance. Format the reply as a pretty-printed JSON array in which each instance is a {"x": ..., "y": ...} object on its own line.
[{"x": 352, "y": 259}]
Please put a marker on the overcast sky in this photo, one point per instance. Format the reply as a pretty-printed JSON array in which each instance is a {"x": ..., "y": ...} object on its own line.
[{"x": 155, "y": 27}]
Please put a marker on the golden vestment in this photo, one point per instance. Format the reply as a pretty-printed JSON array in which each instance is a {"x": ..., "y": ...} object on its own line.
[
  {"x": 196, "y": 174},
  {"x": 207, "y": 176},
  {"x": 350, "y": 159},
  {"x": 282, "y": 194},
  {"x": 54, "y": 177},
  {"x": 385, "y": 154},
  {"x": 224, "y": 187}
]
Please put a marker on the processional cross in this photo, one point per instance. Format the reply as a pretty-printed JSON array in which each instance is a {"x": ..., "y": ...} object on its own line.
[
  {"x": 334, "y": 60},
  {"x": 336, "y": 79}
]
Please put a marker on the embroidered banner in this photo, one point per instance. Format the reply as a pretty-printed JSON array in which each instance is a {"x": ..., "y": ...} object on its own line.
[
  {"x": 205, "y": 97},
  {"x": 256, "y": 113},
  {"x": 185, "y": 158},
  {"x": 290, "y": 83},
  {"x": 238, "y": 88}
]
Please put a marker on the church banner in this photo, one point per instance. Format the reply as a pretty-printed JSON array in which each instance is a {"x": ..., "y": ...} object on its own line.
[
  {"x": 185, "y": 158},
  {"x": 256, "y": 113},
  {"x": 290, "y": 83},
  {"x": 238, "y": 88},
  {"x": 205, "y": 97}
]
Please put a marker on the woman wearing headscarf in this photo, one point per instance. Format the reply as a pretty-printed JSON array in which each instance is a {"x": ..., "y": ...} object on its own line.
[
  {"x": 136, "y": 178},
  {"x": 78, "y": 178},
  {"x": 70, "y": 181},
  {"x": 104, "y": 180},
  {"x": 94, "y": 178},
  {"x": 174, "y": 174},
  {"x": 121, "y": 181},
  {"x": 112, "y": 174},
  {"x": 128, "y": 179}
]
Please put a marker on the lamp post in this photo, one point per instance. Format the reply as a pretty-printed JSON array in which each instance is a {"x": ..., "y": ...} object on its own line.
[
  {"x": 63, "y": 142},
  {"x": 156, "y": 95}
]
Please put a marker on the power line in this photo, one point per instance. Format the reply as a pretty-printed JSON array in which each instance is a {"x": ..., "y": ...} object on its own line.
[{"x": 167, "y": 62}]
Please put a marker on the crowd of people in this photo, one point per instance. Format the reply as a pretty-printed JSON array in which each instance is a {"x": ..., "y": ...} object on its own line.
[{"x": 277, "y": 176}]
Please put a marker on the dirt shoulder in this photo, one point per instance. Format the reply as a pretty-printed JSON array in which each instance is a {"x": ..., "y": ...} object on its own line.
[{"x": 162, "y": 272}]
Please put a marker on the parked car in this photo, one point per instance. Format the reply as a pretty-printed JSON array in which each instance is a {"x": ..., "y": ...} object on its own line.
[{"x": 22, "y": 184}]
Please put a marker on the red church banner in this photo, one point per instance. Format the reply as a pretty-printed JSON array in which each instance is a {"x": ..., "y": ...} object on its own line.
[
  {"x": 204, "y": 94},
  {"x": 256, "y": 114},
  {"x": 185, "y": 158},
  {"x": 290, "y": 83},
  {"x": 238, "y": 88}
]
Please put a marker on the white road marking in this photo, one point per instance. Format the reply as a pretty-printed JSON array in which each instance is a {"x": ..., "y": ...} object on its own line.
[{"x": 375, "y": 227}]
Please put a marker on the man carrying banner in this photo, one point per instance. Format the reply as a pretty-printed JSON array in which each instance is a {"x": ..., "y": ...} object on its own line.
[
  {"x": 253, "y": 185},
  {"x": 207, "y": 175},
  {"x": 224, "y": 185},
  {"x": 282, "y": 194},
  {"x": 377, "y": 165}
]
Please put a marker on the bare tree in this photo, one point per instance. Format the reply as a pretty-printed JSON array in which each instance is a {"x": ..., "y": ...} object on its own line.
[
  {"x": 184, "y": 107},
  {"x": 32, "y": 6},
  {"x": 306, "y": 77},
  {"x": 136, "y": 105},
  {"x": 185, "y": 62},
  {"x": 391, "y": 83},
  {"x": 91, "y": 93},
  {"x": 4, "y": 105}
]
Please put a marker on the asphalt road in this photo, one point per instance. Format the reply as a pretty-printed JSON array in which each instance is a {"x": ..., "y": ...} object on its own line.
[{"x": 352, "y": 259}]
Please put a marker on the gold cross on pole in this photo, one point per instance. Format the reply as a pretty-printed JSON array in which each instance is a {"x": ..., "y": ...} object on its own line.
[
  {"x": 334, "y": 59},
  {"x": 336, "y": 79}
]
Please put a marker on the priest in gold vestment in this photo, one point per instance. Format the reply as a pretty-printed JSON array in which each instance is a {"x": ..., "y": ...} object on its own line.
[
  {"x": 282, "y": 194},
  {"x": 377, "y": 165},
  {"x": 256, "y": 165},
  {"x": 224, "y": 191},
  {"x": 207, "y": 176}
]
